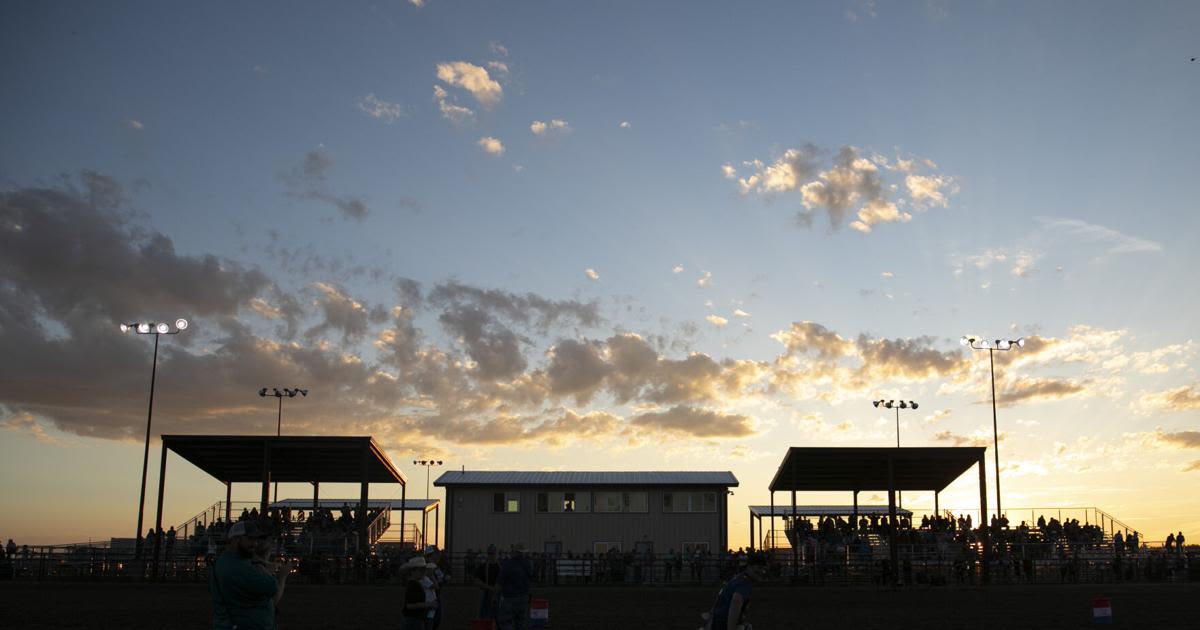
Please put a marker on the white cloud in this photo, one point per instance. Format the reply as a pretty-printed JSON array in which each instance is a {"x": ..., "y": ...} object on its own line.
[
  {"x": 887, "y": 274},
  {"x": 926, "y": 190},
  {"x": 500, "y": 68},
  {"x": 491, "y": 146},
  {"x": 1116, "y": 242},
  {"x": 556, "y": 125},
  {"x": 624, "y": 124},
  {"x": 417, "y": 3},
  {"x": 135, "y": 124},
  {"x": 740, "y": 313},
  {"x": 456, "y": 114},
  {"x": 716, "y": 320},
  {"x": 591, "y": 273},
  {"x": 499, "y": 49},
  {"x": 677, "y": 269},
  {"x": 728, "y": 170},
  {"x": 473, "y": 79},
  {"x": 705, "y": 279},
  {"x": 378, "y": 108}
]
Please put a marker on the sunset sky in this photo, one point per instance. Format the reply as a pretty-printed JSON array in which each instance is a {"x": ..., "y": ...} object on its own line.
[{"x": 605, "y": 236}]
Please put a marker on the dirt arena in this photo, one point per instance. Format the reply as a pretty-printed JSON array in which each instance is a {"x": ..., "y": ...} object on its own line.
[{"x": 125, "y": 606}]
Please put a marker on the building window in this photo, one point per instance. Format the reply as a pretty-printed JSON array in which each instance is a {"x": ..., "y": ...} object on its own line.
[
  {"x": 689, "y": 502},
  {"x": 556, "y": 502},
  {"x": 635, "y": 502},
  {"x": 690, "y": 548},
  {"x": 601, "y": 548},
  {"x": 506, "y": 502}
]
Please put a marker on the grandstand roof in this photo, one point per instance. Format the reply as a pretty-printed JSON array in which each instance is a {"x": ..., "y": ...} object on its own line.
[
  {"x": 241, "y": 458},
  {"x": 825, "y": 510},
  {"x": 418, "y": 505},
  {"x": 577, "y": 478},
  {"x": 913, "y": 468}
]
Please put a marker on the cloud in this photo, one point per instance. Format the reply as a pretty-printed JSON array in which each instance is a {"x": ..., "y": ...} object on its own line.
[
  {"x": 342, "y": 313},
  {"x": 380, "y": 109},
  {"x": 309, "y": 180},
  {"x": 691, "y": 421},
  {"x": 451, "y": 111},
  {"x": 740, "y": 313},
  {"x": 1184, "y": 398},
  {"x": 472, "y": 78},
  {"x": 1020, "y": 261},
  {"x": 716, "y": 320},
  {"x": 500, "y": 68},
  {"x": 1114, "y": 241},
  {"x": 543, "y": 129},
  {"x": 591, "y": 274},
  {"x": 861, "y": 9},
  {"x": 1178, "y": 439},
  {"x": 1029, "y": 389},
  {"x": 704, "y": 280},
  {"x": 135, "y": 124},
  {"x": 851, "y": 189},
  {"x": 677, "y": 269},
  {"x": 887, "y": 275},
  {"x": 491, "y": 146},
  {"x": 1194, "y": 465},
  {"x": 417, "y": 3},
  {"x": 498, "y": 48},
  {"x": 937, "y": 416},
  {"x": 624, "y": 125},
  {"x": 979, "y": 437}
]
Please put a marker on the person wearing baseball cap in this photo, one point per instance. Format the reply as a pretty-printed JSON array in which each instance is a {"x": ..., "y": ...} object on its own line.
[{"x": 244, "y": 596}]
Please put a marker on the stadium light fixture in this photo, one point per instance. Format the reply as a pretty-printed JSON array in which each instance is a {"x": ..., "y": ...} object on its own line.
[
  {"x": 427, "y": 463},
  {"x": 157, "y": 329},
  {"x": 1003, "y": 345},
  {"x": 280, "y": 394}
]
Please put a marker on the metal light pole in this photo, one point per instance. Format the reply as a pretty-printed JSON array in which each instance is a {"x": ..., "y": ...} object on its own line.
[
  {"x": 276, "y": 392},
  {"x": 897, "y": 405},
  {"x": 427, "y": 463},
  {"x": 976, "y": 343},
  {"x": 157, "y": 329}
]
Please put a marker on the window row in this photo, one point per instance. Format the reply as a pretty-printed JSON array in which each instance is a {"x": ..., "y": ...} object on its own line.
[{"x": 628, "y": 502}]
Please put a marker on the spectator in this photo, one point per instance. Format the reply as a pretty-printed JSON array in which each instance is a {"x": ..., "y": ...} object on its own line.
[
  {"x": 669, "y": 565},
  {"x": 436, "y": 576},
  {"x": 515, "y": 578},
  {"x": 245, "y": 595},
  {"x": 733, "y": 600},
  {"x": 1178, "y": 542},
  {"x": 11, "y": 548},
  {"x": 486, "y": 576},
  {"x": 170, "y": 540},
  {"x": 417, "y": 603},
  {"x": 1170, "y": 541}
]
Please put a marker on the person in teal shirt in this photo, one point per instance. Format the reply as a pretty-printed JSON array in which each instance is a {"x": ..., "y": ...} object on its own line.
[{"x": 243, "y": 590}]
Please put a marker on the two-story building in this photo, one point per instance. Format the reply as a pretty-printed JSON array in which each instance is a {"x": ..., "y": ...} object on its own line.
[{"x": 560, "y": 512}]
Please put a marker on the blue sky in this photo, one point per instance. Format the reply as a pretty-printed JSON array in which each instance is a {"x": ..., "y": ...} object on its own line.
[{"x": 1030, "y": 164}]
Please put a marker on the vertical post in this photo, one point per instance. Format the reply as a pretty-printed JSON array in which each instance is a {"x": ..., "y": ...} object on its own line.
[
  {"x": 316, "y": 494},
  {"x": 162, "y": 481},
  {"x": 146, "y": 451},
  {"x": 771, "y": 538},
  {"x": 937, "y": 510},
  {"x": 362, "y": 500},
  {"x": 895, "y": 552},
  {"x": 985, "y": 551},
  {"x": 425, "y": 527},
  {"x": 228, "y": 502},
  {"x": 995, "y": 436},
  {"x": 751, "y": 530},
  {"x": 855, "y": 509},
  {"x": 403, "y": 502},
  {"x": 266, "y": 478},
  {"x": 900, "y": 494},
  {"x": 796, "y": 532},
  {"x": 279, "y": 432},
  {"x": 437, "y": 517}
]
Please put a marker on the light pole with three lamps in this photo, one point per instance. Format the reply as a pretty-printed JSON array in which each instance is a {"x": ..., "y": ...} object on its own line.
[
  {"x": 280, "y": 394},
  {"x": 977, "y": 343},
  {"x": 897, "y": 405},
  {"x": 157, "y": 329}
]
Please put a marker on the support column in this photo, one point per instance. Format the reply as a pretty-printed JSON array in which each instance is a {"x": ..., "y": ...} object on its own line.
[
  {"x": 855, "y": 510},
  {"x": 771, "y": 538},
  {"x": 894, "y": 550},
  {"x": 162, "y": 482},
  {"x": 266, "y": 480},
  {"x": 228, "y": 502},
  {"x": 796, "y": 534},
  {"x": 936, "y": 510},
  {"x": 437, "y": 523},
  {"x": 751, "y": 531},
  {"x": 316, "y": 495},
  {"x": 362, "y": 500},
  {"x": 985, "y": 549},
  {"x": 404, "y": 511},
  {"x": 425, "y": 527}
]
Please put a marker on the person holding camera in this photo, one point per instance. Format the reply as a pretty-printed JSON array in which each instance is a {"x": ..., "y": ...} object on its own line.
[{"x": 245, "y": 588}]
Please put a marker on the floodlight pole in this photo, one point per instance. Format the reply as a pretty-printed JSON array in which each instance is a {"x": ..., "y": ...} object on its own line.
[
  {"x": 427, "y": 463},
  {"x": 146, "y": 451},
  {"x": 977, "y": 343}
]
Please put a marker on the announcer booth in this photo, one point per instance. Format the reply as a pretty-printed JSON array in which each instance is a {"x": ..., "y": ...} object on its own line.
[
  {"x": 831, "y": 469},
  {"x": 264, "y": 460}
]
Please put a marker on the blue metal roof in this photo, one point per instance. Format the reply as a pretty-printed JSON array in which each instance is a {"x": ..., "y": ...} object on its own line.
[{"x": 585, "y": 478}]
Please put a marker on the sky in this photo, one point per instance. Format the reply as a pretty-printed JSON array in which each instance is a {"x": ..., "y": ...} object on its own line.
[{"x": 600, "y": 236}]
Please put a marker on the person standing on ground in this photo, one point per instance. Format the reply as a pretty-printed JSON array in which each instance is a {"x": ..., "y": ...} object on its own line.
[
  {"x": 515, "y": 578},
  {"x": 417, "y": 600},
  {"x": 733, "y": 601},
  {"x": 244, "y": 596},
  {"x": 487, "y": 576}
]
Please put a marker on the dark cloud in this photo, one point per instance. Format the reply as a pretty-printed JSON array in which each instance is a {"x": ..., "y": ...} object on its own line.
[
  {"x": 1179, "y": 439},
  {"x": 309, "y": 180},
  {"x": 696, "y": 422},
  {"x": 1194, "y": 465},
  {"x": 494, "y": 347},
  {"x": 1031, "y": 389},
  {"x": 528, "y": 308},
  {"x": 342, "y": 313},
  {"x": 907, "y": 359},
  {"x": 577, "y": 368}
]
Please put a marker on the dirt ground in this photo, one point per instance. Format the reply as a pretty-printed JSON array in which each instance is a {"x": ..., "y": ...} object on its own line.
[{"x": 186, "y": 606}]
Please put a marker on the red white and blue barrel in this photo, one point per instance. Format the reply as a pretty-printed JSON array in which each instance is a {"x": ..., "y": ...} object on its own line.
[
  {"x": 539, "y": 613},
  {"x": 1101, "y": 610}
]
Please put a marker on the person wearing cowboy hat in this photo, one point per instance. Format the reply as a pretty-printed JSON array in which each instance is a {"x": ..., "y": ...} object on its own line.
[
  {"x": 419, "y": 601},
  {"x": 244, "y": 595}
]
